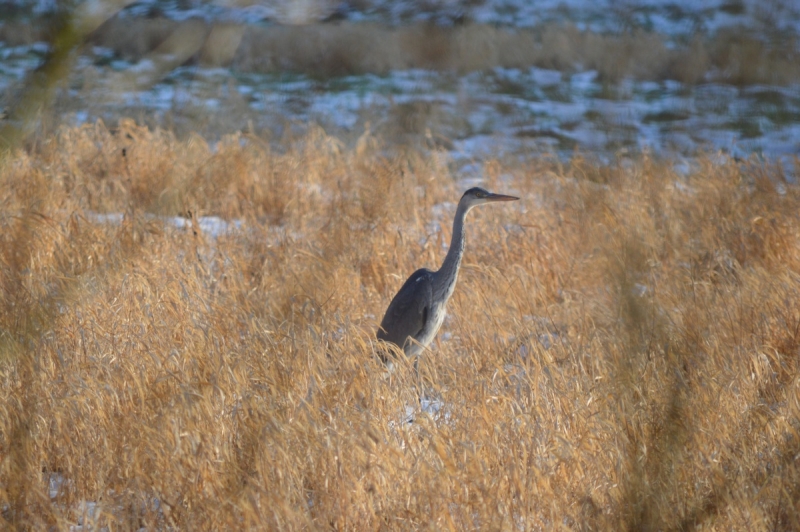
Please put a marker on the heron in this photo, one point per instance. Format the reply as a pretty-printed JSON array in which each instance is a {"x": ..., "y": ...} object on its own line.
[{"x": 417, "y": 311}]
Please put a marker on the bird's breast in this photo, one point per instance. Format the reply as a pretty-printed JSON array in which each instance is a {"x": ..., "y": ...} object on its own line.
[{"x": 435, "y": 320}]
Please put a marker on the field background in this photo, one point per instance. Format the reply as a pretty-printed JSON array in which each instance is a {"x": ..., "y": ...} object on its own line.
[{"x": 188, "y": 306}]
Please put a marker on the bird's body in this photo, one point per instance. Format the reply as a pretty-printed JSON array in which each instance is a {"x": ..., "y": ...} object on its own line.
[{"x": 418, "y": 310}]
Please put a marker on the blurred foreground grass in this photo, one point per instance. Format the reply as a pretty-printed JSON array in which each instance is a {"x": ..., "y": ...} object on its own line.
[{"x": 622, "y": 348}]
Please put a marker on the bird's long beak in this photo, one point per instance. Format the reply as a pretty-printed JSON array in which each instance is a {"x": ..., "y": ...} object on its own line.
[{"x": 501, "y": 197}]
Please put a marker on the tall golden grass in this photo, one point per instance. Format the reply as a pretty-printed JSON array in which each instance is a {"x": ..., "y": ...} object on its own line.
[{"x": 622, "y": 349}]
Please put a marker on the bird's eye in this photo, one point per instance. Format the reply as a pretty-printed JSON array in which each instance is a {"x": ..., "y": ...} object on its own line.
[{"x": 480, "y": 194}]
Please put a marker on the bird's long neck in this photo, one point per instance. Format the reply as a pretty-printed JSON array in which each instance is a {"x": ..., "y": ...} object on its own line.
[{"x": 448, "y": 273}]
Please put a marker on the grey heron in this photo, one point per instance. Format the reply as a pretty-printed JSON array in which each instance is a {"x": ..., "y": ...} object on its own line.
[{"x": 418, "y": 310}]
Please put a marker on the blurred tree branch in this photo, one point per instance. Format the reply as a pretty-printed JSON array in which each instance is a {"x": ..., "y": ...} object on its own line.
[{"x": 39, "y": 85}]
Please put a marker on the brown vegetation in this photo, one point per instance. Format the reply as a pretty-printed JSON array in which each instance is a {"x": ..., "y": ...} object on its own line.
[
  {"x": 624, "y": 349},
  {"x": 732, "y": 55}
]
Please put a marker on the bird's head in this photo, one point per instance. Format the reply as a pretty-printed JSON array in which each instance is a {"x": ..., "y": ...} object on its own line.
[{"x": 478, "y": 196}]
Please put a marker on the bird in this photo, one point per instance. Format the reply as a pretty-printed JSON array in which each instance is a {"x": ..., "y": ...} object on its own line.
[{"x": 417, "y": 311}]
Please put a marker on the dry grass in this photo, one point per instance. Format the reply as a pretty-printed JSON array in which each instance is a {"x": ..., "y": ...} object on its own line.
[
  {"x": 733, "y": 55},
  {"x": 325, "y": 50},
  {"x": 624, "y": 349}
]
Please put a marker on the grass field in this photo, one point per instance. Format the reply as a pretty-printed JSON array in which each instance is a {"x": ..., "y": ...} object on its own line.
[{"x": 621, "y": 351}]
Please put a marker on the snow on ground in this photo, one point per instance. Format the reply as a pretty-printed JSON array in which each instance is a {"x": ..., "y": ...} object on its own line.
[
  {"x": 505, "y": 111},
  {"x": 500, "y": 112},
  {"x": 213, "y": 226},
  {"x": 481, "y": 114}
]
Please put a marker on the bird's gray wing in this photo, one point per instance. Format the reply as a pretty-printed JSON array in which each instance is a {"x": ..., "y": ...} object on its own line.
[{"x": 409, "y": 310}]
